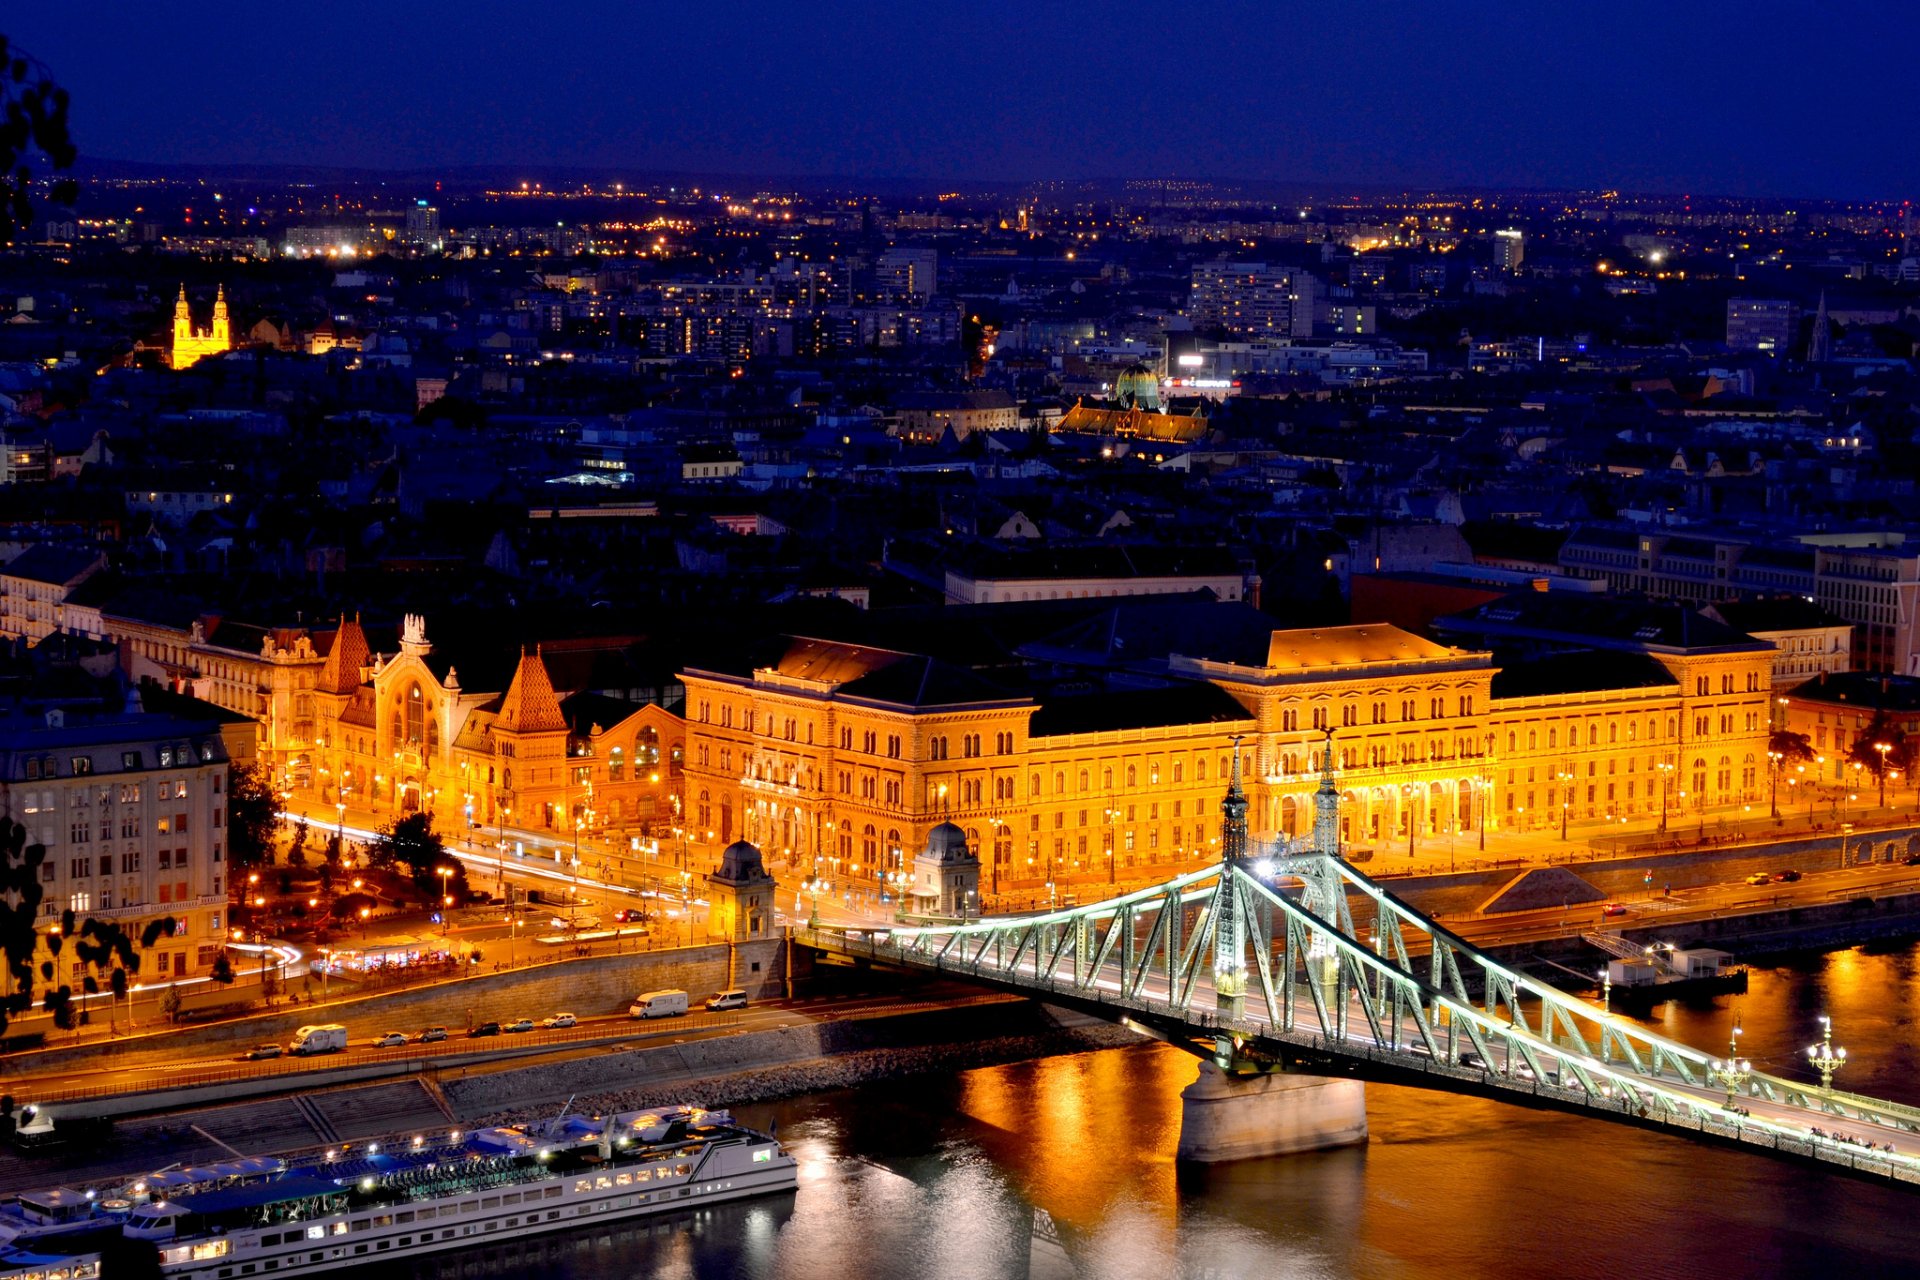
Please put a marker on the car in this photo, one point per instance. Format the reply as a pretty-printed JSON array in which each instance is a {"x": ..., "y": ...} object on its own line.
[
  {"x": 560, "y": 1020},
  {"x": 391, "y": 1040},
  {"x": 734, "y": 999},
  {"x": 484, "y": 1029},
  {"x": 517, "y": 1026},
  {"x": 1759, "y": 877},
  {"x": 1614, "y": 909},
  {"x": 432, "y": 1034},
  {"x": 260, "y": 1052},
  {"x": 1786, "y": 877},
  {"x": 1911, "y": 860},
  {"x": 627, "y": 915}
]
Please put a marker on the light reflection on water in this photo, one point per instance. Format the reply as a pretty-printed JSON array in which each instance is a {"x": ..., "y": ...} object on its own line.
[{"x": 956, "y": 1177}]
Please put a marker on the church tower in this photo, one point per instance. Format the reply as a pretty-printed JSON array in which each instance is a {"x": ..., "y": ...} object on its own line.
[
  {"x": 182, "y": 323},
  {"x": 190, "y": 344}
]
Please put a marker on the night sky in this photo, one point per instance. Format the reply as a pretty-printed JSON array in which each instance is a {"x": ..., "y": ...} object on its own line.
[{"x": 1675, "y": 96}]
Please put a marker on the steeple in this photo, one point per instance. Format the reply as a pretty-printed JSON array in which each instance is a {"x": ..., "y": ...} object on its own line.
[
  {"x": 1326, "y": 805},
  {"x": 1233, "y": 810},
  {"x": 1819, "y": 346},
  {"x": 222, "y": 328},
  {"x": 182, "y": 319}
]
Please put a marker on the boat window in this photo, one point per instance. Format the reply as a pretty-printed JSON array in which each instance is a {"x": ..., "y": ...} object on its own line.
[
  {"x": 553, "y": 1191},
  {"x": 583, "y": 1184},
  {"x": 359, "y": 1224},
  {"x": 383, "y": 1220},
  {"x": 339, "y": 1228},
  {"x": 403, "y": 1217},
  {"x": 491, "y": 1202},
  {"x": 514, "y": 1198}
]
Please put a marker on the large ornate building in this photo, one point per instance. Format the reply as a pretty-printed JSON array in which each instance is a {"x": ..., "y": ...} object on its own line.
[
  {"x": 191, "y": 344},
  {"x": 839, "y": 759}
]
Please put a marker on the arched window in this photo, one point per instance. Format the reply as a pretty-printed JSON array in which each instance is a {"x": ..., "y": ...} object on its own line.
[
  {"x": 616, "y": 765},
  {"x": 1106, "y": 779},
  {"x": 1199, "y": 770},
  {"x": 646, "y": 747},
  {"x": 1083, "y": 780},
  {"x": 1593, "y": 735},
  {"x": 1133, "y": 776},
  {"x": 1033, "y": 784},
  {"x": 416, "y": 715},
  {"x": 894, "y": 852}
]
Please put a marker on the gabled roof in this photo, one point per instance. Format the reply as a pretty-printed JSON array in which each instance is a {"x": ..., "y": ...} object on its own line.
[{"x": 530, "y": 705}]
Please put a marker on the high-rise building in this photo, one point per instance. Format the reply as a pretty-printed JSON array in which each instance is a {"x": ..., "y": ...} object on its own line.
[
  {"x": 1509, "y": 248},
  {"x": 1247, "y": 299},
  {"x": 908, "y": 272},
  {"x": 1759, "y": 324},
  {"x": 423, "y": 227}
]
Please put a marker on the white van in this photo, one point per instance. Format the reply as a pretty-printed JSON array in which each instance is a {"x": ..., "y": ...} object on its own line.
[
  {"x": 329, "y": 1037},
  {"x": 658, "y": 1004}
]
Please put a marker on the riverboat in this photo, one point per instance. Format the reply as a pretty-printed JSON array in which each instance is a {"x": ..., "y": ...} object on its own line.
[{"x": 397, "y": 1197}]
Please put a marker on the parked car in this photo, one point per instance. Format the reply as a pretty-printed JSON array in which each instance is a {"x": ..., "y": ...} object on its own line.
[
  {"x": 262, "y": 1051},
  {"x": 484, "y": 1029},
  {"x": 522, "y": 1024},
  {"x": 391, "y": 1040},
  {"x": 432, "y": 1034},
  {"x": 1786, "y": 877},
  {"x": 1613, "y": 909},
  {"x": 1912, "y": 860},
  {"x": 560, "y": 1020},
  {"x": 1759, "y": 877},
  {"x": 658, "y": 1004},
  {"x": 734, "y": 999}
]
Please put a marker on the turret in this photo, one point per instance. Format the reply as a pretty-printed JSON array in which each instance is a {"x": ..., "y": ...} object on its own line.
[
  {"x": 222, "y": 329},
  {"x": 1326, "y": 805},
  {"x": 182, "y": 321}
]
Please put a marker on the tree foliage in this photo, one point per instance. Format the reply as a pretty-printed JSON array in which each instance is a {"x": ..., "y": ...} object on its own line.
[
  {"x": 1791, "y": 748},
  {"x": 33, "y": 139},
  {"x": 20, "y": 897},
  {"x": 253, "y": 816},
  {"x": 1898, "y": 755},
  {"x": 411, "y": 843},
  {"x": 222, "y": 971}
]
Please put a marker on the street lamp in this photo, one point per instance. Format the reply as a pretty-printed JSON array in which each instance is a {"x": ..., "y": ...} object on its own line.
[
  {"x": 813, "y": 886},
  {"x": 446, "y": 897},
  {"x": 1774, "y": 760},
  {"x": 1565, "y": 778},
  {"x": 1883, "y": 748},
  {"x": 1666, "y": 771},
  {"x": 1734, "y": 1071},
  {"x": 1825, "y": 1058}
]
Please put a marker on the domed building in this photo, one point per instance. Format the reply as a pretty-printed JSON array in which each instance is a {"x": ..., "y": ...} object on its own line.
[
  {"x": 740, "y": 895},
  {"x": 946, "y": 875},
  {"x": 1137, "y": 387}
]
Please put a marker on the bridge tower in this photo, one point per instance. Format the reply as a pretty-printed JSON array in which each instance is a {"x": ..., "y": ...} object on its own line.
[
  {"x": 1326, "y": 804},
  {"x": 1239, "y": 1109},
  {"x": 1229, "y": 959}
]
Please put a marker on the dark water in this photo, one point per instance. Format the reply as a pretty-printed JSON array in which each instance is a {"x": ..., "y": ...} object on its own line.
[{"x": 1065, "y": 1168}]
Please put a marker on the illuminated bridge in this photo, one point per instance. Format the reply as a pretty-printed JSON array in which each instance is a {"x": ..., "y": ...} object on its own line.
[{"x": 1297, "y": 964}]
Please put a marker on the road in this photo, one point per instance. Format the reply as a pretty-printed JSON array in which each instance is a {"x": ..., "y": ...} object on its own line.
[
  {"x": 591, "y": 1034},
  {"x": 1684, "y": 905}
]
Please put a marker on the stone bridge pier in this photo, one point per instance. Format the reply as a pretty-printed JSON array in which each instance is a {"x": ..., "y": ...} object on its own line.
[{"x": 1229, "y": 1115}]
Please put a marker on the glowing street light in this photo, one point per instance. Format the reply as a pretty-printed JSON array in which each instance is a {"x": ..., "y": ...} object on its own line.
[
  {"x": 1734, "y": 1071},
  {"x": 1825, "y": 1058}
]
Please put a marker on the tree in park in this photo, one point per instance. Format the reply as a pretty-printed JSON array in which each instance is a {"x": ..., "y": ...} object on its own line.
[
  {"x": 20, "y": 898},
  {"x": 411, "y": 844},
  {"x": 34, "y": 139},
  {"x": 297, "y": 850},
  {"x": 222, "y": 971},
  {"x": 253, "y": 816}
]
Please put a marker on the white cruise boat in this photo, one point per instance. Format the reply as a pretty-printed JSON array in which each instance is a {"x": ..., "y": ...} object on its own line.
[{"x": 396, "y": 1197}]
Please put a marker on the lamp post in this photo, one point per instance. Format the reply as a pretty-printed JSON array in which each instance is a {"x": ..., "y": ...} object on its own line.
[
  {"x": 1825, "y": 1058},
  {"x": 1883, "y": 748},
  {"x": 1774, "y": 760},
  {"x": 812, "y": 887},
  {"x": 1666, "y": 770},
  {"x": 1409, "y": 790},
  {"x": 446, "y": 898},
  {"x": 1734, "y": 1071},
  {"x": 1565, "y": 778}
]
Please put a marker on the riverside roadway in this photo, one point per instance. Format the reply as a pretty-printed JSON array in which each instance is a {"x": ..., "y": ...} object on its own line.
[{"x": 593, "y": 1034}]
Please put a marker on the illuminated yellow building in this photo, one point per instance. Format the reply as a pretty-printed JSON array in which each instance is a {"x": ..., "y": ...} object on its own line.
[
  {"x": 191, "y": 344},
  {"x": 838, "y": 759},
  {"x": 401, "y": 732}
]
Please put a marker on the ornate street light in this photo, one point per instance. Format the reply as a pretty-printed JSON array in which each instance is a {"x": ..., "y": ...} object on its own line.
[
  {"x": 1734, "y": 1071},
  {"x": 1825, "y": 1058}
]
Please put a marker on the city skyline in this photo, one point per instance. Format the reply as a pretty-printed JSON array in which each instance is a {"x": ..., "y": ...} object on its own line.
[{"x": 1007, "y": 95}]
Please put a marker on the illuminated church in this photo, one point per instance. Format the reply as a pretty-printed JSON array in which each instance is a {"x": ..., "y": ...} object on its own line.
[{"x": 190, "y": 344}]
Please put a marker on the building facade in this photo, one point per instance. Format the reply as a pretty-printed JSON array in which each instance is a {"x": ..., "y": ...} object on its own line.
[
  {"x": 130, "y": 807},
  {"x": 190, "y": 344}
]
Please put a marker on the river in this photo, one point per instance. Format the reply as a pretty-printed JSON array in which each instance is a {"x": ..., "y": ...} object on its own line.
[{"x": 1064, "y": 1168}]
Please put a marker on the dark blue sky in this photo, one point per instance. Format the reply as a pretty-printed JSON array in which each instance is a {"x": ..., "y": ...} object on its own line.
[{"x": 1682, "y": 95}]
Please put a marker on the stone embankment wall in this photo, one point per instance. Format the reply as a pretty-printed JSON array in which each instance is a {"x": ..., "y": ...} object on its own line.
[
  {"x": 1830, "y": 924},
  {"x": 733, "y": 1070},
  {"x": 583, "y": 985}
]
